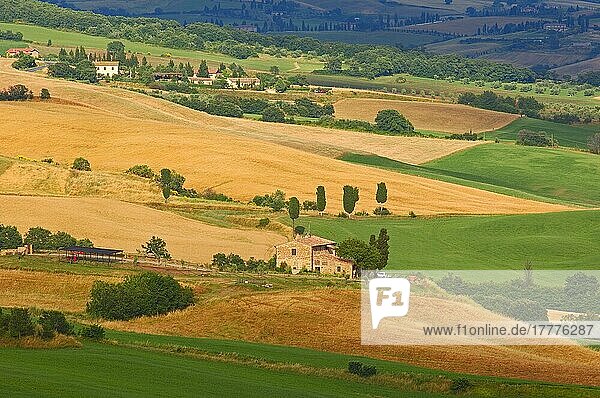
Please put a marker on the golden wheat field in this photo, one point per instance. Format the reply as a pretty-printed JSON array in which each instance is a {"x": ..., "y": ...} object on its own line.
[
  {"x": 330, "y": 321},
  {"x": 62, "y": 292},
  {"x": 112, "y": 223},
  {"x": 36, "y": 178},
  {"x": 328, "y": 318},
  {"x": 432, "y": 116},
  {"x": 117, "y": 129}
]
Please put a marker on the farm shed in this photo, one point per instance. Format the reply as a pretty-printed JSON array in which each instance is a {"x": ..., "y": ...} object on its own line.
[{"x": 74, "y": 254}]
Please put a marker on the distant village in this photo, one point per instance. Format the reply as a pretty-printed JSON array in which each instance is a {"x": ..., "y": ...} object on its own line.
[{"x": 110, "y": 69}]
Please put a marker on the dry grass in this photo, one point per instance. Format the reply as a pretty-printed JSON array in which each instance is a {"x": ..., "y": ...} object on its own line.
[
  {"x": 29, "y": 178},
  {"x": 59, "y": 341},
  {"x": 116, "y": 129},
  {"x": 329, "y": 320},
  {"x": 62, "y": 292},
  {"x": 111, "y": 223},
  {"x": 449, "y": 118}
]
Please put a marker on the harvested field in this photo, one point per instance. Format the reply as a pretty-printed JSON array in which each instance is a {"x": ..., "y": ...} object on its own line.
[
  {"x": 111, "y": 223},
  {"x": 29, "y": 178},
  {"x": 329, "y": 321},
  {"x": 62, "y": 292},
  {"x": 449, "y": 118},
  {"x": 117, "y": 129}
]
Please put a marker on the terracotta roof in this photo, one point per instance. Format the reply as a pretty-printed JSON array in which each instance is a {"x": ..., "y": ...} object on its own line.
[
  {"x": 106, "y": 63},
  {"x": 21, "y": 50},
  {"x": 313, "y": 241}
]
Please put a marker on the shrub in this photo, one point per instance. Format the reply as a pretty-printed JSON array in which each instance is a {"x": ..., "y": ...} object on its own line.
[
  {"x": 144, "y": 294},
  {"x": 45, "y": 94},
  {"x": 61, "y": 239},
  {"x": 460, "y": 385},
  {"x": 273, "y": 114},
  {"x": 81, "y": 164},
  {"x": 19, "y": 323},
  {"x": 24, "y": 62},
  {"x": 412, "y": 214},
  {"x": 211, "y": 194},
  {"x": 263, "y": 222},
  {"x": 390, "y": 120},
  {"x": 157, "y": 247},
  {"x": 381, "y": 211},
  {"x": 275, "y": 201},
  {"x": 309, "y": 205},
  {"x": 594, "y": 144},
  {"x": 533, "y": 138},
  {"x": 141, "y": 170},
  {"x": 10, "y": 238},
  {"x": 360, "y": 369},
  {"x": 224, "y": 107},
  {"x": 52, "y": 322},
  {"x": 39, "y": 238},
  {"x": 93, "y": 332},
  {"x": 17, "y": 92}
]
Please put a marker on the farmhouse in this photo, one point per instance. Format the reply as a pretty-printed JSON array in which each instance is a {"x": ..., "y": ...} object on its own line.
[
  {"x": 243, "y": 82},
  {"x": 16, "y": 52},
  {"x": 312, "y": 253},
  {"x": 107, "y": 68}
]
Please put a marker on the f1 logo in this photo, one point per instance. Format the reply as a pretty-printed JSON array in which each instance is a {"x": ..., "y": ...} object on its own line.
[{"x": 389, "y": 297}]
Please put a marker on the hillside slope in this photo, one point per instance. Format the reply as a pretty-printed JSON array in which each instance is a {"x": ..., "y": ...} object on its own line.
[{"x": 117, "y": 129}]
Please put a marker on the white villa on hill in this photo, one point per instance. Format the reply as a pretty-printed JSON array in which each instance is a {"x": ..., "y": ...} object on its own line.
[{"x": 107, "y": 68}]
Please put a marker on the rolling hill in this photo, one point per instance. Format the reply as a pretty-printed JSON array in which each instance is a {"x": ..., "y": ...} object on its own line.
[{"x": 116, "y": 129}]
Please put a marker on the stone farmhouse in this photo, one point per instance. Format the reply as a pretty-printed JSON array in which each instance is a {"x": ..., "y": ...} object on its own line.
[
  {"x": 213, "y": 75},
  {"x": 315, "y": 254},
  {"x": 16, "y": 52},
  {"x": 107, "y": 68}
]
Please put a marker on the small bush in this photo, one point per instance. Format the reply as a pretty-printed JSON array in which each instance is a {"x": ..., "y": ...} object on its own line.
[
  {"x": 412, "y": 214},
  {"x": 362, "y": 370},
  {"x": 533, "y": 138},
  {"x": 381, "y": 211},
  {"x": 461, "y": 385},
  {"x": 144, "y": 294},
  {"x": 263, "y": 222},
  {"x": 45, "y": 94},
  {"x": 93, "y": 332},
  {"x": 273, "y": 114},
  {"x": 81, "y": 164},
  {"x": 141, "y": 170}
]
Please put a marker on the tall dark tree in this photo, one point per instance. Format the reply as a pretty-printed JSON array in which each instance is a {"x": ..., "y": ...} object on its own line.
[
  {"x": 294, "y": 211},
  {"x": 165, "y": 183},
  {"x": 321, "y": 199},
  {"x": 350, "y": 198},
  {"x": 381, "y": 195},
  {"x": 203, "y": 69},
  {"x": 383, "y": 246}
]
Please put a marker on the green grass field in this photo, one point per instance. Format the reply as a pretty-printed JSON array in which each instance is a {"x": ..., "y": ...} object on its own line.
[
  {"x": 567, "y": 135},
  {"x": 136, "y": 365},
  {"x": 550, "y": 241},
  {"x": 101, "y": 370},
  {"x": 72, "y": 39},
  {"x": 6, "y": 44},
  {"x": 413, "y": 85},
  {"x": 556, "y": 174},
  {"x": 552, "y": 175}
]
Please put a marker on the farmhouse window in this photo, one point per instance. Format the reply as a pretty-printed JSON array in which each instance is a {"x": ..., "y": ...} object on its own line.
[{"x": 293, "y": 252}]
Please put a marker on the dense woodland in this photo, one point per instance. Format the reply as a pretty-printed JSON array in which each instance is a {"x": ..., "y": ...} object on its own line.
[{"x": 361, "y": 60}]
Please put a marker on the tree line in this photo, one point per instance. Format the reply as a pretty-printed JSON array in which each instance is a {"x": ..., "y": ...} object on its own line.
[
  {"x": 363, "y": 60},
  {"x": 39, "y": 238}
]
